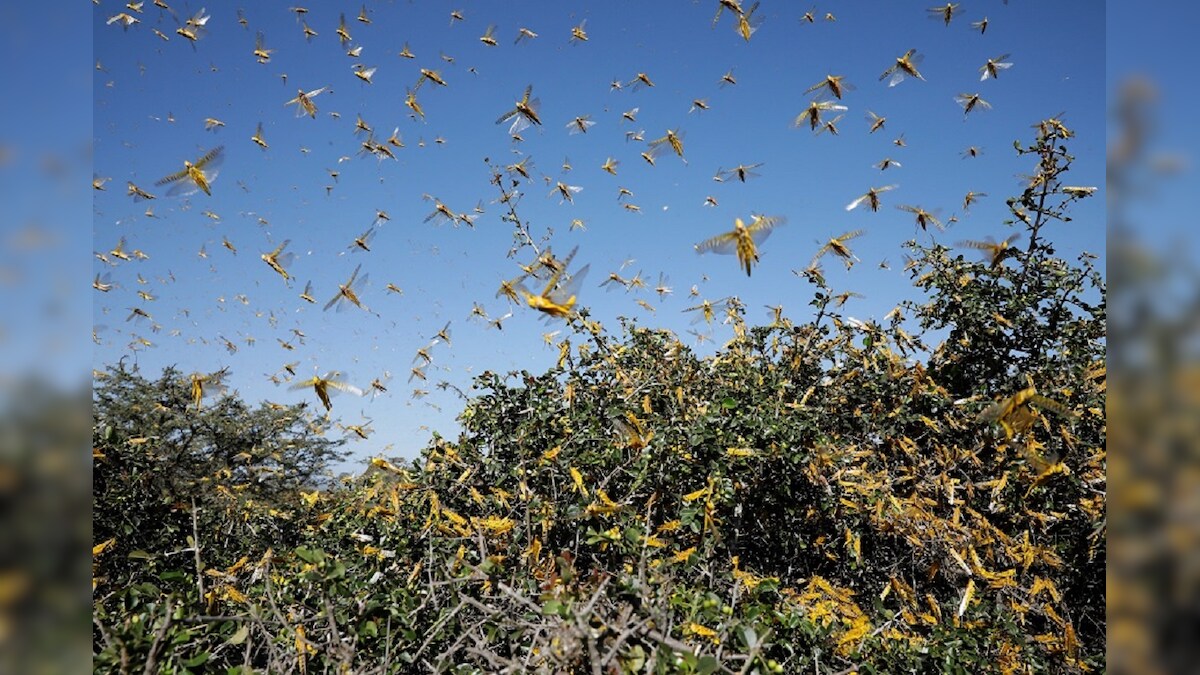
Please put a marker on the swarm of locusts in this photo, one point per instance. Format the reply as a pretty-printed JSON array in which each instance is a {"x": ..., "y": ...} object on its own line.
[{"x": 370, "y": 58}]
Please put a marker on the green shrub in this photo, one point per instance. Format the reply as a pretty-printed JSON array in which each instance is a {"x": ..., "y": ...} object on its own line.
[{"x": 831, "y": 495}]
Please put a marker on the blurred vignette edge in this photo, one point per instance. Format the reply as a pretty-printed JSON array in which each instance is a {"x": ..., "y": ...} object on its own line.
[
  {"x": 45, "y": 518},
  {"x": 1154, "y": 581}
]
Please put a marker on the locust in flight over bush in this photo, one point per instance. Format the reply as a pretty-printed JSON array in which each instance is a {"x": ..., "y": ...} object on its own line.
[
  {"x": 560, "y": 295},
  {"x": 198, "y": 175},
  {"x": 743, "y": 240}
]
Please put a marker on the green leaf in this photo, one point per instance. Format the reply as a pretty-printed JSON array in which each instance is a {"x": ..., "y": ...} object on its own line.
[
  {"x": 729, "y": 403},
  {"x": 308, "y": 555},
  {"x": 197, "y": 660},
  {"x": 750, "y": 637},
  {"x": 635, "y": 659},
  {"x": 240, "y": 636},
  {"x": 338, "y": 571}
]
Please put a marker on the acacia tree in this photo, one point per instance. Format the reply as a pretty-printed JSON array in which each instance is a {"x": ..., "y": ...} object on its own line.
[{"x": 170, "y": 467}]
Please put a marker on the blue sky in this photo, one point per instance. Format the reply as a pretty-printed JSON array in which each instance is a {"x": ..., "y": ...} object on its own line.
[{"x": 1058, "y": 55}]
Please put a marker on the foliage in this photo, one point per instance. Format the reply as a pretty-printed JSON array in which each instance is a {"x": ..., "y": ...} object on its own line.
[
  {"x": 178, "y": 481},
  {"x": 826, "y": 496}
]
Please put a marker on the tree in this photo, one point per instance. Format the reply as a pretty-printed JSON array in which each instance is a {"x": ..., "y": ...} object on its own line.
[{"x": 182, "y": 484}]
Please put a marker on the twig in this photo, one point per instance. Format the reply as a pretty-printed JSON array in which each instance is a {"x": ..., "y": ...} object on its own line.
[
  {"x": 441, "y": 658},
  {"x": 508, "y": 590},
  {"x": 487, "y": 611},
  {"x": 433, "y": 630},
  {"x": 196, "y": 551},
  {"x": 152, "y": 657},
  {"x": 103, "y": 633},
  {"x": 668, "y": 641},
  {"x": 493, "y": 658},
  {"x": 215, "y": 618},
  {"x": 387, "y": 645},
  {"x": 816, "y": 325},
  {"x": 336, "y": 634},
  {"x": 248, "y": 650},
  {"x": 593, "y": 654},
  {"x": 614, "y": 649},
  {"x": 507, "y": 199},
  {"x": 754, "y": 651}
]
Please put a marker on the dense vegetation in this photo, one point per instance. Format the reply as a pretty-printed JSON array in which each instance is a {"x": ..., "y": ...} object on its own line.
[{"x": 826, "y": 496}]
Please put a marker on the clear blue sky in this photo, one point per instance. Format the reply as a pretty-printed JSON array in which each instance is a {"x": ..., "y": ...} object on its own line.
[{"x": 1057, "y": 49}]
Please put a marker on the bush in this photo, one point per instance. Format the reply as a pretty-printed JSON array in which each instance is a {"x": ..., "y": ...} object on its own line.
[{"x": 832, "y": 495}]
